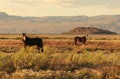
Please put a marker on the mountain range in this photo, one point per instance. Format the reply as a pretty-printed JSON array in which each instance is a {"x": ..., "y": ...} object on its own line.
[{"x": 56, "y": 24}]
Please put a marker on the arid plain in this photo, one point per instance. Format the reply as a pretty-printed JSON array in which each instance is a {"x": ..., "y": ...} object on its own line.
[{"x": 99, "y": 58}]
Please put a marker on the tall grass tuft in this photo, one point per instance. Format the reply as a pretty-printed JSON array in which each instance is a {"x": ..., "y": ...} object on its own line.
[{"x": 55, "y": 64}]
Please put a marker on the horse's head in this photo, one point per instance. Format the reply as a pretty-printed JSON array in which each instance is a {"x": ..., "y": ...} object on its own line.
[
  {"x": 87, "y": 36},
  {"x": 24, "y": 36}
]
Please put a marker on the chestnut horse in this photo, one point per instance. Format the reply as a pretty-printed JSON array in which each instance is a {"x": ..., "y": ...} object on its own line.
[
  {"x": 82, "y": 39},
  {"x": 27, "y": 41}
]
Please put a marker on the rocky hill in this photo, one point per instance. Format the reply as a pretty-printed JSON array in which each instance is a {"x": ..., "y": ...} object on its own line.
[
  {"x": 56, "y": 24},
  {"x": 88, "y": 30}
]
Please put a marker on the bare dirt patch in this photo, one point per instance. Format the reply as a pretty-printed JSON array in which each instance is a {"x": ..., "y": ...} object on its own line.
[{"x": 14, "y": 45}]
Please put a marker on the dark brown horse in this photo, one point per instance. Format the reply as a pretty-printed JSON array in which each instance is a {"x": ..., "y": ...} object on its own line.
[
  {"x": 27, "y": 41},
  {"x": 82, "y": 39}
]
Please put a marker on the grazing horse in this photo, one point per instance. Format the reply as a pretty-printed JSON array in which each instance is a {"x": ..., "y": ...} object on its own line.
[
  {"x": 82, "y": 39},
  {"x": 27, "y": 41}
]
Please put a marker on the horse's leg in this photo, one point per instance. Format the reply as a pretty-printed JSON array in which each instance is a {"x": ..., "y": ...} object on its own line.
[
  {"x": 38, "y": 49},
  {"x": 24, "y": 46},
  {"x": 42, "y": 49},
  {"x": 84, "y": 41}
]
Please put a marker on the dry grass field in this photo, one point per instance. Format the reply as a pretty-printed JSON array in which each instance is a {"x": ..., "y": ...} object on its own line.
[
  {"x": 11, "y": 43},
  {"x": 99, "y": 58}
]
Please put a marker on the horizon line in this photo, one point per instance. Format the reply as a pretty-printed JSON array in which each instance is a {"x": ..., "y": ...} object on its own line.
[{"x": 60, "y": 15}]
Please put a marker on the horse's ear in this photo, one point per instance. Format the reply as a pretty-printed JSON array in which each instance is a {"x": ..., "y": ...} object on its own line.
[
  {"x": 87, "y": 35},
  {"x": 23, "y": 34}
]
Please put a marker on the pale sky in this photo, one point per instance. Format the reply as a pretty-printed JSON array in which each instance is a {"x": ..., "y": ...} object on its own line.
[{"x": 60, "y": 7}]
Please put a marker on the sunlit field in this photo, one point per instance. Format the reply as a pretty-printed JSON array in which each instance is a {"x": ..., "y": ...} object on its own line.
[{"x": 99, "y": 58}]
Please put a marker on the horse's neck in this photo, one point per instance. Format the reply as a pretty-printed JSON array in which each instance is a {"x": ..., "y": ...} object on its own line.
[
  {"x": 85, "y": 36},
  {"x": 25, "y": 38}
]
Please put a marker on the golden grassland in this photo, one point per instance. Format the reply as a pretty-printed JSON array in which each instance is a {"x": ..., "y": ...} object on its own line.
[{"x": 98, "y": 59}]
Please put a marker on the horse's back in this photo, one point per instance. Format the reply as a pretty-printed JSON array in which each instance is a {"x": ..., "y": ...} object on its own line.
[{"x": 39, "y": 41}]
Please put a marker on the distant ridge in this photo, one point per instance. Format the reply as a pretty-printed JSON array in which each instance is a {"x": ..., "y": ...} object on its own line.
[
  {"x": 88, "y": 30},
  {"x": 56, "y": 24}
]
